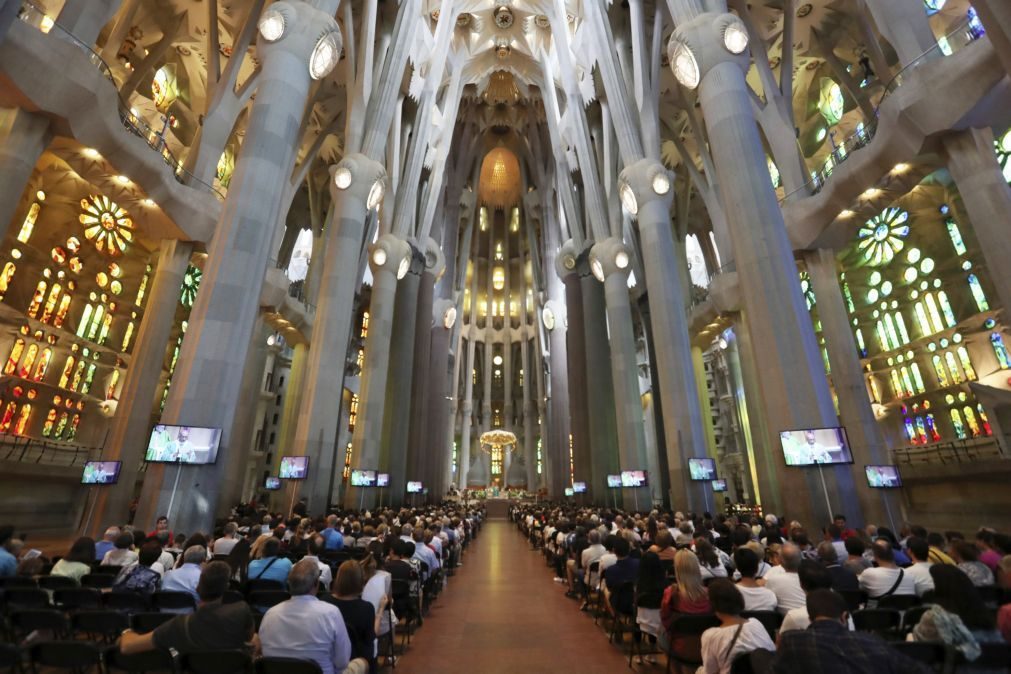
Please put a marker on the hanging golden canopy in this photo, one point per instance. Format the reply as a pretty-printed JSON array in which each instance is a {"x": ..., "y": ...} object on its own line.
[
  {"x": 500, "y": 179},
  {"x": 498, "y": 439}
]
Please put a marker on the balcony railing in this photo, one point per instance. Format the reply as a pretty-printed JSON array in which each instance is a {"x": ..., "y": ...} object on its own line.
[
  {"x": 36, "y": 17},
  {"x": 17, "y": 449},
  {"x": 964, "y": 34},
  {"x": 963, "y": 451}
]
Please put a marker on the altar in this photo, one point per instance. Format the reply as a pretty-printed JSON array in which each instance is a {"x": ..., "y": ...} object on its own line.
[{"x": 497, "y": 508}]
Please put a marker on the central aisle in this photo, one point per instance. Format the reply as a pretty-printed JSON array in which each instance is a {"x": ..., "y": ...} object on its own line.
[{"x": 501, "y": 613}]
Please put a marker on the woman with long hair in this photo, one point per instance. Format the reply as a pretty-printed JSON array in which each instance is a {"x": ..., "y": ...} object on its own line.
[
  {"x": 709, "y": 560},
  {"x": 958, "y": 617},
  {"x": 78, "y": 561},
  {"x": 378, "y": 589},
  {"x": 686, "y": 595},
  {"x": 361, "y": 618}
]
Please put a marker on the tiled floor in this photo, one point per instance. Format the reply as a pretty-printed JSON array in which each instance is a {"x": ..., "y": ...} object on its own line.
[{"x": 502, "y": 614}]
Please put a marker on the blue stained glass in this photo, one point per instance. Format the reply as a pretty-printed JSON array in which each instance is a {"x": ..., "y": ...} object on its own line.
[
  {"x": 997, "y": 342},
  {"x": 956, "y": 236},
  {"x": 977, "y": 293},
  {"x": 956, "y": 422},
  {"x": 949, "y": 315}
]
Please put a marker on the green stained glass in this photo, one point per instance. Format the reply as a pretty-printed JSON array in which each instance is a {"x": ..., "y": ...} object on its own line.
[
  {"x": 921, "y": 320},
  {"x": 963, "y": 357},
  {"x": 848, "y": 297},
  {"x": 882, "y": 338},
  {"x": 893, "y": 378},
  {"x": 860, "y": 342},
  {"x": 917, "y": 378},
  {"x": 956, "y": 422},
  {"x": 942, "y": 376},
  {"x": 882, "y": 237},
  {"x": 893, "y": 338},
  {"x": 999, "y": 350},
  {"x": 901, "y": 325},
  {"x": 1003, "y": 147},
  {"x": 977, "y": 293},
  {"x": 88, "y": 379},
  {"x": 907, "y": 382},
  {"x": 956, "y": 374},
  {"x": 191, "y": 284},
  {"x": 956, "y": 236},
  {"x": 949, "y": 315},
  {"x": 935, "y": 315}
]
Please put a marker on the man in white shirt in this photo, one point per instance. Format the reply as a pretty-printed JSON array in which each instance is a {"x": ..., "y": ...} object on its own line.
[
  {"x": 224, "y": 545},
  {"x": 316, "y": 547},
  {"x": 886, "y": 578},
  {"x": 786, "y": 585},
  {"x": 813, "y": 576},
  {"x": 756, "y": 598},
  {"x": 307, "y": 628},
  {"x": 919, "y": 552}
]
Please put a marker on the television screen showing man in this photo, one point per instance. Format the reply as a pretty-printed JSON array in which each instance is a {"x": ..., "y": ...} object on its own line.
[
  {"x": 613, "y": 481},
  {"x": 883, "y": 477},
  {"x": 634, "y": 478},
  {"x": 294, "y": 467},
  {"x": 100, "y": 472},
  {"x": 702, "y": 469},
  {"x": 815, "y": 446},
  {"x": 183, "y": 444}
]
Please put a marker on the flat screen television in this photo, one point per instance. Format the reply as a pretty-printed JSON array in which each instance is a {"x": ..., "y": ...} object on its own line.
[
  {"x": 414, "y": 487},
  {"x": 720, "y": 484},
  {"x": 578, "y": 487},
  {"x": 272, "y": 483},
  {"x": 568, "y": 491},
  {"x": 815, "y": 446},
  {"x": 382, "y": 479},
  {"x": 183, "y": 444},
  {"x": 634, "y": 478},
  {"x": 101, "y": 472},
  {"x": 363, "y": 478},
  {"x": 883, "y": 477},
  {"x": 702, "y": 469},
  {"x": 294, "y": 467},
  {"x": 613, "y": 481}
]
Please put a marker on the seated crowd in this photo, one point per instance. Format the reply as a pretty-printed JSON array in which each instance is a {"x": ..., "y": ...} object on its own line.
[
  {"x": 331, "y": 590},
  {"x": 710, "y": 592}
]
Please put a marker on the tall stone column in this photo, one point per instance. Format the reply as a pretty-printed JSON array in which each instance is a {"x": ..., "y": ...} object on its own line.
[
  {"x": 794, "y": 390},
  {"x": 397, "y": 399},
  {"x": 867, "y": 441},
  {"x": 24, "y": 136},
  {"x": 128, "y": 437},
  {"x": 389, "y": 259},
  {"x": 467, "y": 410},
  {"x": 289, "y": 423},
  {"x": 610, "y": 261},
  {"x": 556, "y": 450},
  {"x": 529, "y": 377},
  {"x": 603, "y": 424},
  {"x": 207, "y": 382},
  {"x": 972, "y": 162},
  {"x": 352, "y": 200},
  {"x": 507, "y": 358},
  {"x": 650, "y": 186},
  {"x": 437, "y": 440},
  {"x": 996, "y": 18},
  {"x": 904, "y": 24},
  {"x": 575, "y": 353},
  {"x": 543, "y": 427},
  {"x": 85, "y": 20},
  {"x": 420, "y": 451}
]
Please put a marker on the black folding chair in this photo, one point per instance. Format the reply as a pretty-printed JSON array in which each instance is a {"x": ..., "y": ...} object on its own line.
[
  {"x": 108, "y": 569},
  {"x": 43, "y": 619},
  {"x": 686, "y": 639},
  {"x": 855, "y": 599},
  {"x": 149, "y": 662},
  {"x": 263, "y": 584},
  {"x": 21, "y": 598},
  {"x": 129, "y": 602},
  {"x": 928, "y": 652},
  {"x": 899, "y": 602},
  {"x": 992, "y": 595},
  {"x": 771, "y": 620},
  {"x": 758, "y": 661},
  {"x": 57, "y": 583},
  {"x": 7, "y": 582},
  {"x": 142, "y": 623},
  {"x": 261, "y": 600},
  {"x": 72, "y": 599},
  {"x": 75, "y": 656},
  {"x": 217, "y": 662},
  {"x": 286, "y": 666},
  {"x": 104, "y": 624},
  {"x": 911, "y": 617},
  {"x": 99, "y": 581},
  {"x": 174, "y": 602},
  {"x": 882, "y": 621},
  {"x": 10, "y": 658}
]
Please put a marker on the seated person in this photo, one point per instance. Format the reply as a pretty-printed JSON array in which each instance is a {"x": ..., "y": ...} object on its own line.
[
  {"x": 736, "y": 636},
  {"x": 663, "y": 546},
  {"x": 829, "y": 646},
  {"x": 186, "y": 577},
  {"x": 855, "y": 560},
  {"x": 786, "y": 584},
  {"x": 315, "y": 546},
  {"x": 957, "y": 617},
  {"x": 624, "y": 570},
  {"x": 813, "y": 576},
  {"x": 140, "y": 577},
  {"x": 686, "y": 595},
  {"x": 78, "y": 561},
  {"x": 213, "y": 626},
  {"x": 361, "y": 619},
  {"x": 123, "y": 554},
  {"x": 966, "y": 556},
  {"x": 885, "y": 579},
  {"x": 305, "y": 627},
  {"x": 107, "y": 543},
  {"x": 842, "y": 578},
  {"x": 270, "y": 566},
  {"x": 756, "y": 597}
]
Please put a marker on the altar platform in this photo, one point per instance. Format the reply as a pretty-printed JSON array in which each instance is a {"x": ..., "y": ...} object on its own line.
[{"x": 497, "y": 508}]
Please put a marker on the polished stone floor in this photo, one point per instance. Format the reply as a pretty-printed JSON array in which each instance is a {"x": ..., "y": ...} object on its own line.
[{"x": 503, "y": 614}]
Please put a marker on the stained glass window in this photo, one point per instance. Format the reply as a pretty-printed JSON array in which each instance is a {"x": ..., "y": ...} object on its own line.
[
  {"x": 847, "y": 295},
  {"x": 88, "y": 379},
  {"x": 43, "y": 364},
  {"x": 932, "y": 428},
  {"x": 29, "y": 361},
  {"x": 861, "y": 347},
  {"x": 143, "y": 287},
  {"x": 110, "y": 390},
  {"x": 96, "y": 322},
  {"x": 47, "y": 427},
  {"x": 37, "y": 298},
  {"x": 831, "y": 104},
  {"x": 128, "y": 335},
  {"x": 921, "y": 431},
  {"x": 935, "y": 315},
  {"x": 921, "y": 320},
  {"x": 106, "y": 224},
  {"x": 914, "y": 369},
  {"x": 15, "y": 355},
  {"x": 50, "y": 306},
  {"x": 6, "y": 276},
  {"x": 24, "y": 416},
  {"x": 956, "y": 422},
  {"x": 942, "y": 376},
  {"x": 897, "y": 389},
  {"x": 882, "y": 338},
  {"x": 72, "y": 431},
  {"x": 970, "y": 421},
  {"x": 900, "y": 323},
  {"x": 977, "y": 293},
  {"x": 983, "y": 419},
  {"x": 191, "y": 284},
  {"x": 893, "y": 338},
  {"x": 949, "y": 315},
  {"x": 956, "y": 374},
  {"x": 910, "y": 431},
  {"x": 955, "y": 235},
  {"x": 963, "y": 357},
  {"x": 61, "y": 312},
  {"x": 68, "y": 371},
  {"x": 60, "y": 426},
  {"x": 999, "y": 350},
  {"x": 907, "y": 382},
  {"x": 883, "y": 236},
  {"x": 1003, "y": 147}
]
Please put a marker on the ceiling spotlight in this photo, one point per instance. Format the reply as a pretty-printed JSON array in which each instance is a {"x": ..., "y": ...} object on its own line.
[
  {"x": 686, "y": 68},
  {"x": 342, "y": 177},
  {"x": 900, "y": 168},
  {"x": 376, "y": 194},
  {"x": 621, "y": 259},
  {"x": 661, "y": 183},
  {"x": 271, "y": 25},
  {"x": 628, "y": 198},
  {"x": 735, "y": 38},
  {"x": 497, "y": 360},
  {"x": 122, "y": 180},
  {"x": 449, "y": 318},
  {"x": 379, "y": 257},
  {"x": 91, "y": 153},
  {"x": 845, "y": 213},
  {"x": 148, "y": 202},
  {"x": 40, "y": 195},
  {"x": 405, "y": 266},
  {"x": 870, "y": 193},
  {"x": 324, "y": 55},
  {"x": 597, "y": 269}
]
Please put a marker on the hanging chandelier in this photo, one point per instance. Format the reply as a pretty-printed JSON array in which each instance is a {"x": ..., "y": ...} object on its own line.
[{"x": 498, "y": 439}]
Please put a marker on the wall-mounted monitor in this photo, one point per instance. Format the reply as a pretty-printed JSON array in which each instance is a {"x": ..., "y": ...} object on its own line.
[
  {"x": 568, "y": 491},
  {"x": 719, "y": 484},
  {"x": 272, "y": 483},
  {"x": 382, "y": 479},
  {"x": 613, "y": 481},
  {"x": 703, "y": 469},
  {"x": 101, "y": 472},
  {"x": 634, "y": 478},
  {"x": 815, "y": 446},
  {"x": 183, "y": 444},
  {"x": 294, "y": 467},
  {"x": 578, "y": 487},
  {"x": 414, "y": 487},
  {"x": 363, "y": 478},
  {"x": 883, "y": 477}
]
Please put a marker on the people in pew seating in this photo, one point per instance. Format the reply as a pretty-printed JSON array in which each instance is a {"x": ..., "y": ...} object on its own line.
[
  {"x": 966, "y": 556},
  {"x": 140, "y": 577},
  {"x": 736, "y": 636},
  {"x": 77, "y": 563},
  {"x": 213, "y": 626},
  {"x": 362, "y": 620},
  {"x": 886, "y": 578},
  {"x": 756, "y": 597},
  {"x": 843, "y": 580},
  {"x": 270, "y": 565},
  {"x": 123, "y": 553},
  {"x": 107, "y": 543},
  {"x": 186, "y": 578}
]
